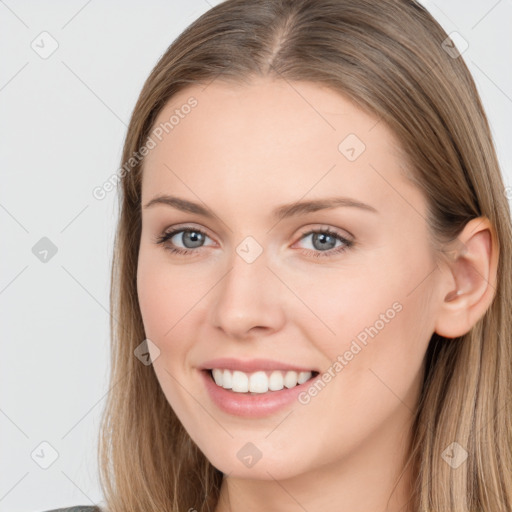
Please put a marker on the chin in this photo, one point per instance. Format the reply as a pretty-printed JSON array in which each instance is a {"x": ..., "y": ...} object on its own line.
[{"x": 249, "y": 462}]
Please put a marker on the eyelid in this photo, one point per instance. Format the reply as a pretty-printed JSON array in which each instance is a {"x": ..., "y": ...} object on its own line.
[
  {"x": 188, "y": 227},
  {"x": 327, "y": 228}
]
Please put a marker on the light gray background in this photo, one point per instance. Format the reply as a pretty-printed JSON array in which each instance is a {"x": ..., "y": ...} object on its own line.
[{"x": 63, "y": 122}]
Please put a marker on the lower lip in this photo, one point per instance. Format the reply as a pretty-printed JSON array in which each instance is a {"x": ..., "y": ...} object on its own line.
[{"x": 252, "y": 406}]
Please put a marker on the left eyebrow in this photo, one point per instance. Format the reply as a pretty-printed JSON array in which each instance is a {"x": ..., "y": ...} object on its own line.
[
  {"x": 303, "y": 207},
  {"x": 281, "y": 212}
]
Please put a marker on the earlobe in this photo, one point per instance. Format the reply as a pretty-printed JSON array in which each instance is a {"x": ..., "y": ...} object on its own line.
[{"x": 469, "y": 285}]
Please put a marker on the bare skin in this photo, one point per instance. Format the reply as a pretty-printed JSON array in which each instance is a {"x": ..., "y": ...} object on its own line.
[{"x": 241, "y": 152}]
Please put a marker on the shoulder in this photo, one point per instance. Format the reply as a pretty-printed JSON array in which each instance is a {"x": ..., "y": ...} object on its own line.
[{"x": 76, "y": 508}]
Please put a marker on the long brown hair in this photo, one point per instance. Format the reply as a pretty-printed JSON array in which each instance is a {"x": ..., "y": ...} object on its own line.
[{"x": 394, "y": 60}]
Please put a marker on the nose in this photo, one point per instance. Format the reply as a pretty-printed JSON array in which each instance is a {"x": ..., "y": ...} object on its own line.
[{"x": 248, "y": 300}]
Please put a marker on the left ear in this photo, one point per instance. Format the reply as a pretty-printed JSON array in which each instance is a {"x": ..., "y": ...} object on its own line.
[{"x": 469, "y": 285}]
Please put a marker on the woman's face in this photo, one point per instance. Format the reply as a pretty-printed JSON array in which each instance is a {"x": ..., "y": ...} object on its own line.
[{"x": 356, "y": 303}]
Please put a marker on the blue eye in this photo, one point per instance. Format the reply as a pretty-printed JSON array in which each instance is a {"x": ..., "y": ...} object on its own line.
[
  {"x": 326, "y": 236},
  {"x": 194, "y": 238}
]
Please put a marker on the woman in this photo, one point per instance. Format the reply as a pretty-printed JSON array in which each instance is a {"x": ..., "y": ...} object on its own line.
[{"x": 255, "y": 367}]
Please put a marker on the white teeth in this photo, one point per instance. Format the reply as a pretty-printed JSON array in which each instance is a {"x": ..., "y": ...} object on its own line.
[
  {"x": 303, "y": 377},
  {"x": 275, "y": 383},
  {"x": 227, "y": 381},
  {"x": 240, "y": 382},
  {"x": 290, "y": 379},
  {"x": 260, "y": 381},
  {"x": 217, "y": 376}
]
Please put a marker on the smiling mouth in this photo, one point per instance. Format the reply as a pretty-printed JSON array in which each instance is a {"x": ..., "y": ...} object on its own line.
[{"x": 259, "y": 382}]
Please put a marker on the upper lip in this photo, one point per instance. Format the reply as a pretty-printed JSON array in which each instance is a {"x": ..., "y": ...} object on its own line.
[{"x": 251, "y": 365}]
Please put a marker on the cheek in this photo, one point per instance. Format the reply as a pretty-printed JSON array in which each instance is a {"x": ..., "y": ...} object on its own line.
[
  {"x": 374, "y": 365},
  {"x": 156, "y": 303},
  {"x": 173, "y": 302},
  {"x": 376, "y": 318},
  {"x": 165, "y": 293},
  {"x": 346, "y": 305},
  {"x": 164, "y": 301}
]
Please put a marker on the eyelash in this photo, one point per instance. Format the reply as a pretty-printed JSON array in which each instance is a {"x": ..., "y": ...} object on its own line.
[{"x": 161, "y": 239}]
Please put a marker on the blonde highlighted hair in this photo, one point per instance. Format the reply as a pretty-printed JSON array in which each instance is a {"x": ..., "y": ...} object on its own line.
[{"x": 387, "y": 56}]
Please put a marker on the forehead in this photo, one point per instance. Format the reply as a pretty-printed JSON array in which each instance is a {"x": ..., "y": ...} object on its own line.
[
  {"x": 270, "y": 135},
  {"x": 265, "y": 110}
]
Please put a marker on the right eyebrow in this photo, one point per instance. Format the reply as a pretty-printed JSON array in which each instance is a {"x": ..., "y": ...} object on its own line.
[{"x": 181, "y": 204}]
